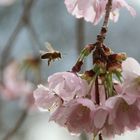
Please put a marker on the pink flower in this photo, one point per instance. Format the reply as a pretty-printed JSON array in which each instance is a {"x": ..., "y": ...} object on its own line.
[
  {"x": 131, "y": 75},
  {"x": 93, "y": 10},
  {"x": 14, "y": 86},
  {"x": 99, "y": 118},
  {"x": 81, "y": 115},
  {"x": 77, "y": 110},
  {"x": 62, "y": 86},
  {"x": 75, "y": 115},
  {"x": 124, "y": 115},
  {"x": 67, "y": 85},
  {"x": 45, "y": 99}
]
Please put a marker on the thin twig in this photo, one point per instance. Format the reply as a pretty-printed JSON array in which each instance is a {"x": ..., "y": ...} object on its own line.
[
  {"x": 19, "y": 123},
  {"x": 97, "y": 94},
  {"x": 103, "y": 31},
  {"x": 107, "y": 14}
]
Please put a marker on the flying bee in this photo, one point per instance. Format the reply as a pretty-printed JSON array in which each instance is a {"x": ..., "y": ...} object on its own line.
[{"x": 51, "y": 54}]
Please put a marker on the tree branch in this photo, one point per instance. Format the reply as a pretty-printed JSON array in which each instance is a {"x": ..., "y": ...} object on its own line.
[{"x": 104, "y": 28}]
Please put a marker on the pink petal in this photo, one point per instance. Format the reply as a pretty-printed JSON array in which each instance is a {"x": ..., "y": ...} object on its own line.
[{"x": 45, "y": 100}]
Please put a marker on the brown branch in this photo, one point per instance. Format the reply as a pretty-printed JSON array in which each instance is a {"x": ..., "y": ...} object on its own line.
[
  {"x": 97, "y": 94},
  {"x": 19, "y": 123},
  {"x": 103, "y": 32}
]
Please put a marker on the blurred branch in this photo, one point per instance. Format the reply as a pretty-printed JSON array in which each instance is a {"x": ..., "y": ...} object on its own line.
[
  {"x": 23, "y": 21},
  {"x": 80, "y": 36},
  {"x": 8, "y": 47},
  {"x": 19, "y": 123}
]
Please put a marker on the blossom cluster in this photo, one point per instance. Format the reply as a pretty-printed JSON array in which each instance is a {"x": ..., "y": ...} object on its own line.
[
  {"x": 72, "y": 99},
  {"x": 104, "y": 100}
]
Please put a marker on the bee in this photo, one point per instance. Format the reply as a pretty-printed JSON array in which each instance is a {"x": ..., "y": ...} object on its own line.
[{"x": 51, "y": 54}]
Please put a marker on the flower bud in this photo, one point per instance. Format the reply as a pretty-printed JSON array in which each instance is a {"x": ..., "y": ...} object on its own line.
[
  {"x": 101, "y": 63},
  {"x": 121, "y": 57},
  {"x": 117, "y": 57},
  {"x": 113, "y": 67},
  {"x": 107, "y": 50}
]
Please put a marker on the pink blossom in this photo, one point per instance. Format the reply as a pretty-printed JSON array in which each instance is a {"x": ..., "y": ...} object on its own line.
[
  {"x": 45, "y": 99},
  {"x": 93, "y": 10},
  {"x": 124, "y": 115},
  {"x": 75, "y": 115},
  {"x": 131, "y": 75},
  {"x": 14, "y": 86},
  {"x": 77, "y": 110},
  {"x": 61, "y": 86},
  {"x": 67, "y": 85},
  {"x": 81, "y": 115},
  {"x": 99, "y": 118}
]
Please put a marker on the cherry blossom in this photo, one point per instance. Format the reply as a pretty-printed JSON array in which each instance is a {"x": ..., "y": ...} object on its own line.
[
  {"x": 45, "y": 99},
  {"x": 61, "y": 86},
  {"x": 67, "y": 85},
  {"x": 99, "y": 100},
  {"x": 82, "y": 114},
  {"x": 93, "y": 10},
  {"x": 75, "y": 115},
  {"x": 131, "y": 76},
  {"x": 121, "y": 117}
]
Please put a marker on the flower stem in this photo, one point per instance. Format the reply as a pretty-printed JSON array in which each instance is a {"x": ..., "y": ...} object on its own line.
[{"x": 97, "y": 95}]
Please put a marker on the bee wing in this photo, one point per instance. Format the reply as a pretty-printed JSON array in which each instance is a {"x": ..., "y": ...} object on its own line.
[
  {"x": 42, "y": 52},
  {"x": 49, "y": 47}
]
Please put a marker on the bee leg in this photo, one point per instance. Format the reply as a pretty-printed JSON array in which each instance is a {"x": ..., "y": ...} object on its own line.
[{"x": 49, "y": 61}]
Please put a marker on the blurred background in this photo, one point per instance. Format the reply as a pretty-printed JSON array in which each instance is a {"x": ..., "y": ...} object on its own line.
[{"x": 25, "y": 25}]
